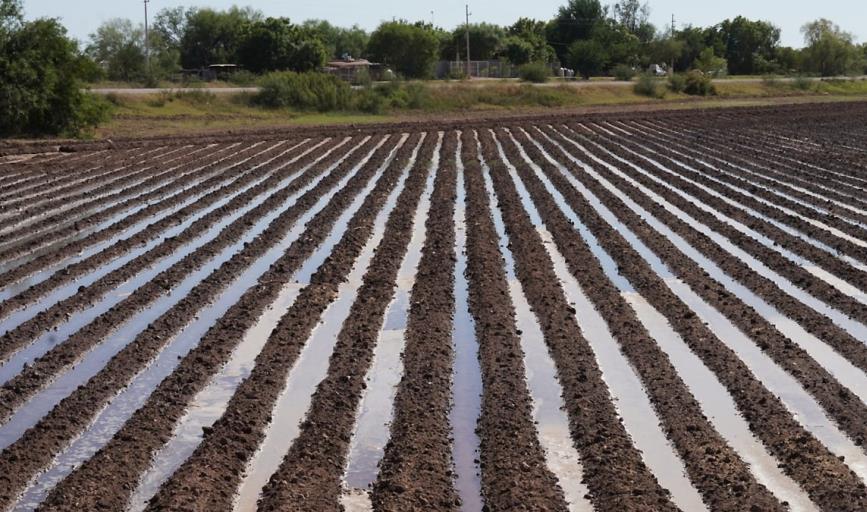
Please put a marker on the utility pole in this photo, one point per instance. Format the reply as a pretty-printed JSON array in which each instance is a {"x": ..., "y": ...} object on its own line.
[
  {"x": 468, "y": 40},
  {"x": 147, "y": 47},
  {"x": 671, "y": 70}
]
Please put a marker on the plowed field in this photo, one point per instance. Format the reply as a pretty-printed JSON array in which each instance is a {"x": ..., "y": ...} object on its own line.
[{"x": 650, "y": 311}]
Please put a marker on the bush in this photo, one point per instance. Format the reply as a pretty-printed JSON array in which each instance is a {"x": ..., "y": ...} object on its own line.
[
  {"x": 304, "y": 91},
  {"x": 677, "y": 83},
  {"x": 623, "y": 73},
  {"x": 41, "y": 88},
  {"x": 649, "y": 86},
  {"x": 802, "y": 83},
  {"x": 370, "y": 101},
  {"x": 699, "y": 84},
  {"x": 243, "y": 78},
  {"x": 535, "y": 72}
]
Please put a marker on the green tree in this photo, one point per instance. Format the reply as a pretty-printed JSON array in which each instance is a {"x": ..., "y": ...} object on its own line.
[
  {"x": 274, "y": 44},
  {"x": 338, "y": 40},
  {"x": 575, "y": 21},
  {"x": 486, "y": 42},
  {"x": 635, "y": 17},
  {"x": 588, "y": 57},
  {"x": 693, "y": 40},
  {"x": 213, "y": 37},
  {"x": 789, "y": 60},
  {"x": 118, "y": 46},
  {"x": 526, "y": 42},
  {"x": 410, "y": 50},
  {"x": 709, "y": 64},
  {"x": 40, "y": 78},
  {"x": 830, "y": 51},
  {"x": 621, "y": 46},
  {"x": 749, "y": 45}
]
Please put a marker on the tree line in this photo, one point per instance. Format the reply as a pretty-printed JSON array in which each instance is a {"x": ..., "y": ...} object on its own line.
[
  {"x": 584, "y": 35},
  {"x": 43, "y": 70}
]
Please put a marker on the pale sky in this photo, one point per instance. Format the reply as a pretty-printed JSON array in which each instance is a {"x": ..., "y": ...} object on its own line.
[{"x": 82, "y": 17}]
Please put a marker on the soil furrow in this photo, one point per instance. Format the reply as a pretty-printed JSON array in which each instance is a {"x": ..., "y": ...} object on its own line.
[
  {"x": 795, "y": 244},
  {"x": 810, "y": 319},
  {"x": 72, "y": 187},
  {"x": 115, "y": 200},
  {"x": 35, "y": 375},
  {"x": 54, "y": 172},
  {"x": 217, "y": 191},
  {"x": 138, "y": 353},
  {"x": 836, "y": 487},
  {"x": 28, "y": 244},
  {"x": 415, "y": 473},
  {"x": 785, "y": 177},
  {"x": 715, "y": 469},
  {"x": 211, "y": 190},
  {"x": 586, "y": 394},
  {"x": 310, "y": 476},
  {"x": 514, "y": 473},
  {"x": 128, "y": 454},
  {"x": 56, "y": 313}
]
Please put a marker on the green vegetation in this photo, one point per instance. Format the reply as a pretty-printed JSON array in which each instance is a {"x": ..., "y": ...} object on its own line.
[
  {"x": 409, "y": 49},
  {"x": 304, "y": 91},
  {"x": 623, "y": 73},
  {"x": 699, "y": 84},
  {"x": 649, "y": 86},
  {"x": 42, "y": 71},
  {"x": 535, "y": 72},
  {"x": 41, "y": 75}
]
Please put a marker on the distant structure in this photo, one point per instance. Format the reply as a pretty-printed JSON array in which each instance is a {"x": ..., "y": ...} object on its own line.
[
  {"x": 357, "y": 70},
  {"x": 212, "y": 72}
]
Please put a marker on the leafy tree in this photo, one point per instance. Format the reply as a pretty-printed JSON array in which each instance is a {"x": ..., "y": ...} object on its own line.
[
  {"x": 486, "y": 42},
  {"x": 411, "y": 50},
  {"x": 575, "y": 21},
  {"x": 275, "y": 44},
  {"x": 748, "y": 44},
  {"x": 664, "y": 50},
  {"x": 789, "y": 60},
  {"x": 830, "y": 51},
  {"x": 11, "y": 16},
  {"x": 635, "y": 17},
  {"x": 213, "y": 37},
  {"x": 170, "y": 24},
  {"x": 518, "y": 51},
  {"x": 40, "y": 78},
  {"x": 621, "y": 46},
  {"x": 339, "y": 41},
  {"x": 588, "y": 57},
  {"x": 526, "y": 42},
  {"x": 708, "y": 63},
  {"x": 693, "y": 40},
  {"x": 118, "y": 46}
]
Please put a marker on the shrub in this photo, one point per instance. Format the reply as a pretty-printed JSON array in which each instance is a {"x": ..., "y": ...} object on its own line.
[
  {"x": 677, "y": 83},
  {"x": 370, "y": 101},
  {"x": 304, "y": 91},
  {"x": 623, "y": 73},
  {"x": 649, "y": 86},
  {"x": 40, "y": 81},
  {"x": 196, "y": 97},
  {"x": 802, "y": 83},
  {"x": 535, "y": 72},
  {"x": 699, "y": 84},
  {"x": 243, "y": 78}
]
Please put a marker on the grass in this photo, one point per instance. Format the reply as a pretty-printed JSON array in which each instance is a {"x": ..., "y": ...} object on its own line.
[{"x": 202, "y": 112}]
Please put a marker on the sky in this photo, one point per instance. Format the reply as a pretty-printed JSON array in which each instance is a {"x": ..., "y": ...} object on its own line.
[{"x": 82, "y": 17}]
